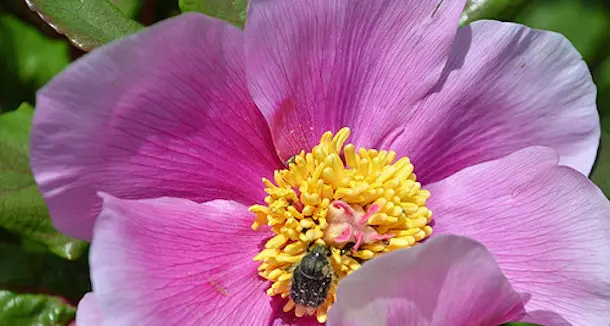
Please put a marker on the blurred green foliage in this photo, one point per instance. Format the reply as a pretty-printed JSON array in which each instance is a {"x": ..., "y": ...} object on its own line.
[
  {"x": 22, "y": 208},
  {"x": 29, "y": 60},
  {"x": 43, "y": 274},
  {"x": 585, "y": 24},
  {"x": 26, "y": 268},
  {"x": 130, "y": 8}
]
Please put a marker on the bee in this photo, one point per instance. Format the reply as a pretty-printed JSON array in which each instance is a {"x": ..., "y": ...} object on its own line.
[{"x": 312, "y": 278}]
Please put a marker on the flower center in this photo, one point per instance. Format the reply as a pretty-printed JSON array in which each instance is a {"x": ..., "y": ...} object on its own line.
[{"x": 331, "y": 213}]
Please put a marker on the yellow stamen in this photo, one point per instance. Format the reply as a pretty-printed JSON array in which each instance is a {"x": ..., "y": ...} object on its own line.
[{"x": 333, "y": 196}]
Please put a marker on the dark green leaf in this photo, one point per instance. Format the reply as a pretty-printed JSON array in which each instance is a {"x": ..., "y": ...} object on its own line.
[
  {"x": 490, "y": 9},
  {"x": 25, "y": 271},
  {"x": 22, "y": 209},
  {"x": 165, "y": 9},
  {"x": 18, "y": 268},
  {"x": 233, "y": 11},
  {"x": 87, "y": 23},
  {"x": 30, "y": 309},
  {"x": 29, "y": 60},
  {"x": 128, "y": 7}
]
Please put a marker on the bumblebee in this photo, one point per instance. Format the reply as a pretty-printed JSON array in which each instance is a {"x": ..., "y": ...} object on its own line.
[{"x": 312, "y": 278}]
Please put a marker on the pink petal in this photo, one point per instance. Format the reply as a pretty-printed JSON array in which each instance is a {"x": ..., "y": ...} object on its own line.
[
  {"x": 163, "y": 113},
  {"x": 547, "y": 226},
  {"x": 506, "y": 87},
  {"x": 175, "y": 262},
  {"x": 320, "y": 65},
  {"x": 448, "y": 280},
  {"x": 87, "y": 312}
]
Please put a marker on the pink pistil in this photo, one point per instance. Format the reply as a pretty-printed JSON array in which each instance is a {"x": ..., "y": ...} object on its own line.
[
  {"x": 369, "y": 212},
  {"x": 347, "y": 209},
  {"x": 350, "y": 224}
]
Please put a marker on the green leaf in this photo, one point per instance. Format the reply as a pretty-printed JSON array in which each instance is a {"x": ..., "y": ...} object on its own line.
[
  {"x": 584, "y": 23},
  {"x": 29, "y": 60},
  {"x": 22, "y": 209},
  {"x": 490, "y": 9},
  {"x": 233, "y": 11},
  {"x": 32, "y": 309},
  {"x": 25, "y": 271},
  {"x": 86, "y": 23},
  {"x": 128, "y": 7}
]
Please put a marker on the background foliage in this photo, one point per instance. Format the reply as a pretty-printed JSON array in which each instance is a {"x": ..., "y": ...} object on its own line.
[{"x": 43, "y": 274}]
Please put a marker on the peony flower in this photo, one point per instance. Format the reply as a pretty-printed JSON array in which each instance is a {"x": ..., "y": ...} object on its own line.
[{"x": 376, "y": 126}]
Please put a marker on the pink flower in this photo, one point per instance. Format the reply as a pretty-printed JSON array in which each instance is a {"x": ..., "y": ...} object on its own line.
[{"x": 175, "y": 127}]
